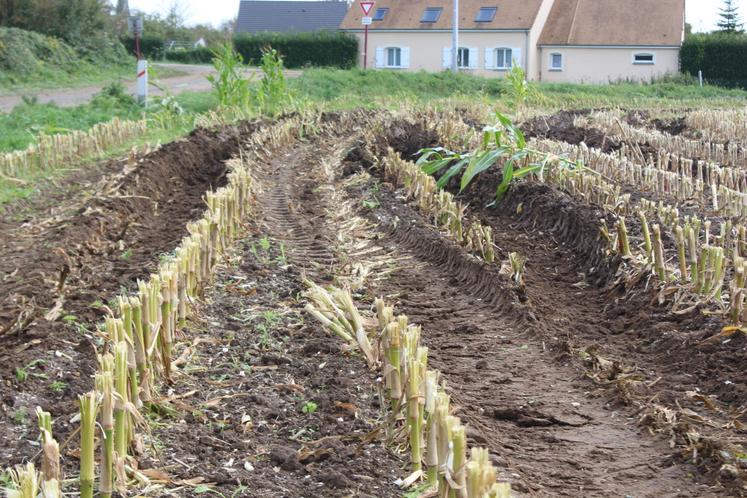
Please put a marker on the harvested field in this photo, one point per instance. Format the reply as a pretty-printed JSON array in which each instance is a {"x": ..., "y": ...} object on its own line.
[{"x": 564, "y": 353}]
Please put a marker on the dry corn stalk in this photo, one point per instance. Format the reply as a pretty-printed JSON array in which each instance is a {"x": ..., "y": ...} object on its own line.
[{"x": 434, "y": 436}]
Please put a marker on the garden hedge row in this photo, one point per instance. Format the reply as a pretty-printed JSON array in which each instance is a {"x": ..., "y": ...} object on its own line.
[
  {"x": 318, "y": 49},
  {"x": 721, "y": 57},
  {"x": 199, "y": 55}
]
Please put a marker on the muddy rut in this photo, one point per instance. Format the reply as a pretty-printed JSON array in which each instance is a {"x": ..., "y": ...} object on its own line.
[{"x": 553, "y": 431}]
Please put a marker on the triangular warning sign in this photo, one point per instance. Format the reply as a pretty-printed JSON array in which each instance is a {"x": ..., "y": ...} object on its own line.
[{"x": 366, "y": 7}]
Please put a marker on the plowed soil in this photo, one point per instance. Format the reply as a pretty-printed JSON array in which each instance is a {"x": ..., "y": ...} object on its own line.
[
  {"x": 75, "y": 257},
  {"x": 577, "y": 384},
  {"x": 554, "y": 378}
]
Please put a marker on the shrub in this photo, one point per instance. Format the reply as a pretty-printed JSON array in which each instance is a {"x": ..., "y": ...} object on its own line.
[
  {"x": 722, "y": 58},
  {"x": 25, "y": 52},
  {"x": 199, "y": 55},
  {"x": 320, "y": 48}
]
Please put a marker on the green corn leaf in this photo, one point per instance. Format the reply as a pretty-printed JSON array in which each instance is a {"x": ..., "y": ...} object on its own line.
[
  {"x": 433, "y": 167},
  {"x": 426, "y": 154},
  {"x": 505, "y": 121},
  {"x": 528, "y": 170},
  {"x": 480, "y": 163},
  {"x": 508, "y": 176},
  {"x": 451, "y": 173}
]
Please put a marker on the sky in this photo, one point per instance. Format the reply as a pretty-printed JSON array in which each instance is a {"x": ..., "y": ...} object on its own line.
[{"x": 702, "y": 14}]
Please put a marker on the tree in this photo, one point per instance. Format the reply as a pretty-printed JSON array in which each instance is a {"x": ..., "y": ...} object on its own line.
[
  {"x": 71, "y": 20},
  {"x": 730, "y": 21},
  {"x": 123, "y": 7}
]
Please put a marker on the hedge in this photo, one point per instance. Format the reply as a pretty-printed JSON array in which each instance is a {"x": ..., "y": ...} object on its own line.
[
  {"x": 199, "y": 55},
  {"x": 721, "y": 57},
  {"x": 320, "y": 48},
  {"x": 150, "y": 46}
]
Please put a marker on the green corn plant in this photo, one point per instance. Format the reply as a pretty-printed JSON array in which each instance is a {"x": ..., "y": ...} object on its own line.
[
  {"x": 230, "y": 84},
  {"x": 501, "y": 143},
  {"x": 519, "y": 88},
  {"x": 273, "y": 94}
]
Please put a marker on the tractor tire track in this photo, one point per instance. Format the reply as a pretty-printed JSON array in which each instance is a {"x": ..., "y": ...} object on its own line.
[{"x": 553, "y": 432}]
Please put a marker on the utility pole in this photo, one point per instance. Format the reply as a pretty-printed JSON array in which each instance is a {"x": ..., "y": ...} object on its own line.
[{"x": 455, "y": 39}]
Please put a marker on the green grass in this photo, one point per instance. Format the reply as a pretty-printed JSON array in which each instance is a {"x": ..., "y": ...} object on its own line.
[
  {"x": 91, "y": 75},
  {"x": 340, "y": 89},
  {"x": 34, "y": 182},
  {"x": 22, "y": 125},
  {"x": 31, "y": 61}
]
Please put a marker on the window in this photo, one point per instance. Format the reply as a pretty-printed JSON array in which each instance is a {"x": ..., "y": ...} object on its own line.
[
  {"x": 393, "y": 57},
  {"x": 503, "y": 58},
  {"x": 644, "y": 58},
  {"x": 431, "y": 14},
  {"x": 380, "y": 14},
  {"x": 486, "y": 14},
  {"x": 463, "y": 58},
  {"x": 556, "y": 62}
]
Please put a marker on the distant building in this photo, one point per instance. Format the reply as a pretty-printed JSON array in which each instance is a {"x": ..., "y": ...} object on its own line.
[
  {"x": 590, "y": 41},
  {"x": 257, "y": 16}
]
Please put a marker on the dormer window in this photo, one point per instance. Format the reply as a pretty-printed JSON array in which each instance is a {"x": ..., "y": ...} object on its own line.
[
  {"x": 486, "y": 14},
  {"x": 380, "y": 14},
  {"x": 431, "y": 14}
]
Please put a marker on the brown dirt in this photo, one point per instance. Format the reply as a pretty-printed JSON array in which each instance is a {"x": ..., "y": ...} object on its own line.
[
  {"x": 256, "y": 364},
  {"x": 578, "y": 308},
  {"x": 559, "y": 378},
  {"x": 86, "y": 250},
  {"x": 505, "y": 351},
  {"x": 559, "y": 126}
]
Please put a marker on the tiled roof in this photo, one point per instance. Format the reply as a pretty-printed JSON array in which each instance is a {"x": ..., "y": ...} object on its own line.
[
  {"x": 406, "y": 14},
  {"x": 281, "y": 16},
  {"x": 615, "y": 22}
]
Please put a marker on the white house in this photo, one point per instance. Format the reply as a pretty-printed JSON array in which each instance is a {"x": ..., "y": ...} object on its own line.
[{"x": 595, "y": 41}]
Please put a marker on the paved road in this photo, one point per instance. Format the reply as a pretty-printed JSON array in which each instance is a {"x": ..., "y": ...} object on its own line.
[{"x": 194, "y": 80}]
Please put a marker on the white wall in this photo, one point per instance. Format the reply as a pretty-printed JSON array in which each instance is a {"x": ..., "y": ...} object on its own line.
[
  {"x": 534, "y": 35},
  {"x": 426, "y": 50},
  {"x": 605, "y": 65}
]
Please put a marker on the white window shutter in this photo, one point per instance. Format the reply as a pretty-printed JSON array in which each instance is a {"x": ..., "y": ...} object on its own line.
[
  {"x": 474, "y": 54},
  {"x": 447, "y": 57},
  {"x": 516, "y": 56},
  {"x": 380, "y": 62},
  {"x": 489, "y": 58},
  {"x": 405, "y": 57}
]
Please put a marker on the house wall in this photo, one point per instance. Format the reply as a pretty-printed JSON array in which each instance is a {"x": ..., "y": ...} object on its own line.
[
  {"x": 426, "y": 49},
  {"x": 534, "y": 63},
  {"x": 605, "y": 65}
]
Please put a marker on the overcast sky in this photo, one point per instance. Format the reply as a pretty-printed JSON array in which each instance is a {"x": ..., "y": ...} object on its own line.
[{"x": 702, "y": 14}]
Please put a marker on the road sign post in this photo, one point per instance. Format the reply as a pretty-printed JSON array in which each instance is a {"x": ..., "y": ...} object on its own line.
[
  {"x": 366, "y": 21},
  {"x": 135, "y": 26},
  {"x": 142, "y": 81}
]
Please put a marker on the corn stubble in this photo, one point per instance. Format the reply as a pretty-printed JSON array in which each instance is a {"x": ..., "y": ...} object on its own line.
[
  {"x": 140, "y": 343},
  {"x": 420, "y": 408}
]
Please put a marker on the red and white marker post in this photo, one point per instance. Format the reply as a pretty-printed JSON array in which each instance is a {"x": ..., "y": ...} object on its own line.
[{"x": 366, "y": 7}]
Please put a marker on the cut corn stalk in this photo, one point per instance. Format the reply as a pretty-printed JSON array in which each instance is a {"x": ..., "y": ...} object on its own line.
[
  {"x": 25, "y": 482},
  {"x": 88, "y": 410}
]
